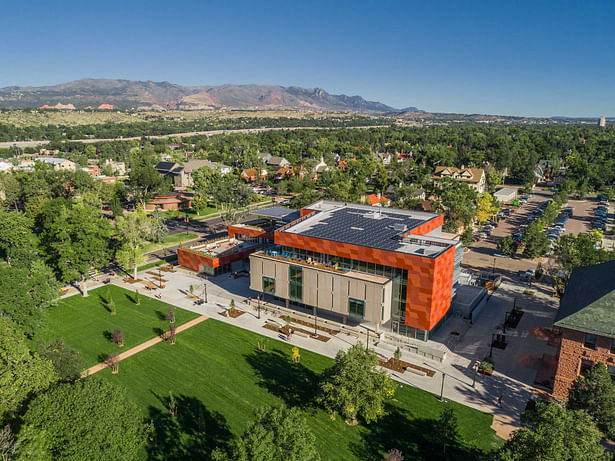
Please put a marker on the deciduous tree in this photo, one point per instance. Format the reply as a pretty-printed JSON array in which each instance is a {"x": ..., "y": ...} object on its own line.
[
  {"x": 354, "y": 387},
  {"x": 67, "y": 362}
]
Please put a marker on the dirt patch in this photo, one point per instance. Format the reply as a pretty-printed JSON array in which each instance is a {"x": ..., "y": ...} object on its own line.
[
  {"x": 400, "y": 366},
  {"x": 131, "y": 280},
  {"x": 233, "y": 313},
  {"x": 191, "y": 297},
  {"x": 308, "y": 324},
  {"x": 284, "y": 331}
]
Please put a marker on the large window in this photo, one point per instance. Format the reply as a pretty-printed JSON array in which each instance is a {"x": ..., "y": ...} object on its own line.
[
  {"x": 590, "y": 341},
  {"x": 269, "y": 285},
  {"x": 356, "y": 308},
  {"x": 295, "y": 284},
  {"x": 586, "y": 365}
]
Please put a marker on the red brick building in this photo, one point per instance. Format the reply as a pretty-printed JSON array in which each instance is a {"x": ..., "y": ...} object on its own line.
[{"x": 586, "y": 319}]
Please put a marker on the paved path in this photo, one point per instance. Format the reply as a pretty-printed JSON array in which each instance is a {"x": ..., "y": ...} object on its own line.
[
  {"x": 511, "y": 380},
  {"x": 132, "y": 351}
]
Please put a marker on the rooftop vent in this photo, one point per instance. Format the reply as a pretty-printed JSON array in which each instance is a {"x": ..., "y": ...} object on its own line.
[
  {"x": 399, "y": 227},
  {"x": 374, "y": 215}
]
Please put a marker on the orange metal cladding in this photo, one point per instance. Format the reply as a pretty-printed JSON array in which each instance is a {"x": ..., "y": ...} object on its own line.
[
  {"x": 233, "y": 231},
  {"x": 428, "y": 295},
  {"x": 428, "y": 226},
  {"x": 193, "y": 260}
]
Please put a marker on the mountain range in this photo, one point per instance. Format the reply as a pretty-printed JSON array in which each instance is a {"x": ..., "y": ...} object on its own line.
[{"x": 129, "y": 94}]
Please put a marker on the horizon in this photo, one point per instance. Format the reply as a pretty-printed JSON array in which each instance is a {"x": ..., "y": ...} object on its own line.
[{"x": 514, "y": 60}]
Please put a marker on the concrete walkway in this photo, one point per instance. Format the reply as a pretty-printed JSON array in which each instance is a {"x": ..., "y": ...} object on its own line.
[
  {"x": 511, "y": 381},
  {"x": 133, "y": 350}
]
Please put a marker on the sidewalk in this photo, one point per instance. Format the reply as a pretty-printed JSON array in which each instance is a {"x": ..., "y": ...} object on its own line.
[{"x": 461, "y": 383}]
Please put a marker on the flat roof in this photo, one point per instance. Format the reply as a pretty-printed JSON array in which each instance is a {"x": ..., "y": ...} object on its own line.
[
  {"x": 277, "y": 212},
  {"x": 507, "y": 191},
  {"x": 361, "y": 225}
]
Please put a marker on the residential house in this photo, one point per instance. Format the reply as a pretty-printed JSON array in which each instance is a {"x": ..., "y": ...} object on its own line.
[
  {"x": 384, "y": 157},
  {"x": 321, "y": 167},
  {"x": 92, "y": 170},
  {"x": 376, "y": 200},
  {"x": 278, "y": 162},
  {"x": 290, "y": 171},
  {"x": 59, "y": 164},
  {"x": 118, "y": 168},
  {"x": 107, "y": 179},
  {"x": 249, "y": 175},
  {"x": 182, "y": 176},
  {"x": 586, "y": 320},
  {"x": 473, "y": 177},
  {"x": 264, "y": 156}
]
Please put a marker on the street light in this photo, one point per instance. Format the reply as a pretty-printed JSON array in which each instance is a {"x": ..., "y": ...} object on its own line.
[
  {"x": 442, "y": 388},
  {"x": 474, "y": 377}
]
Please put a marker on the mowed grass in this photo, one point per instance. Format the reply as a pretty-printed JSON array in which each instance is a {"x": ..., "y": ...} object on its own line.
[
  {"x": 169, "y": 240},
  {"x": 86, "y": 324},
  {"x": 219, "y": 378}
]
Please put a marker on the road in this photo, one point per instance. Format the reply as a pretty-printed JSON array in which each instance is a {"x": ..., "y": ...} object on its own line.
[{"x": 21, "y": 144}]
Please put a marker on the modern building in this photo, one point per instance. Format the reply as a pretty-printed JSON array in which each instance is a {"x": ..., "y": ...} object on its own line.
[
  {"x": 384, "y": 268},
  {"x": 473, "y": 177},
  {"x": 222, "y": 255},
  {"x": 586, "y": 320},
  {"x": 602, "y": 122}
]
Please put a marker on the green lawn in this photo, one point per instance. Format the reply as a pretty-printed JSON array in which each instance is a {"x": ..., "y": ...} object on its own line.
[
  {"x": 169, "y": 240},
  {"x": 219, "y": 378},
  {"x": 86, "y": 324}
]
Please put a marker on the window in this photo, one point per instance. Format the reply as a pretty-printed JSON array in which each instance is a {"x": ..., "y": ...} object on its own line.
[
  {"x": 586, "y": 365},
  {"x": 269, "y": 285},
  {"x": 590, "y": 341},
  {"x": 613, "y": 346},
  {"x": 356, "y": 308},
  {"x": 295, "y": 284}
]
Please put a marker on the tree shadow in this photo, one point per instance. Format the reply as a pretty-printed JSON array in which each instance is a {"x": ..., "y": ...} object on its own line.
[
  {"x": 107, "y": 335},
  {"x": 190, "y": 435},
  {"x": 416, "y": 438},
  {"x": 292, "y": 382},
  {"x": 104, "y": 302},
  {"x": 160, "y": 315},
  {"x": 158, "y": 331},
  {"x": 131, "y": 297}
]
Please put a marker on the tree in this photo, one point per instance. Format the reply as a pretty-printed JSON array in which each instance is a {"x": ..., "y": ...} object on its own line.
[
  {"x": 170, "y": 315},
  {"x": 493, "y": 177},
  {"x": 131, "y": 231},
  {"x": 595, "y": 393},
  {"x": 113, "y": 361},
  {"x": 172, "y": 403},
  {"x": 116, "y": 207},
  {"x": 457, "y": 201},
  {"x": 11, "y": 188},
  {"x": 554, "y": 434},
  {"x": 137, "y": 298},
  {"x": 22, "y": 372},
  {"x": 394, "y": 455},
  {"x": 354, "y": 387},
  {"x": 118, "y": 337},
  {"x": 467, "y": 236},
  {"x": 535, "y": 241},
  {"x": 26, "y": 292},
  {"x": 397, "y": 355},
  {"x": 7, "y": 444},
  {"x": 77, "y": 239},
  {"x": 446, "y": 428},
  {"x": 18, "y": 243},
  {"x": 231, "y": 195},
  {"x": 172, "y": 333},
  {"x": 85, "y": 420},
  {"x": 277, "y": 434},
  {"x": 507, "y": 246},
  {"x": 485, "y": 207},
  {"x": 67, "y": 362},
  {"x": 145, "y": 181},
  {"x": 158, "y": 230},
  {"x": 205, "y": 183}
]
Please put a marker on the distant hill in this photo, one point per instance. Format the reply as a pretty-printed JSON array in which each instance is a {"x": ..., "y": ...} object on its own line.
[{"x": 128, "y": 94}]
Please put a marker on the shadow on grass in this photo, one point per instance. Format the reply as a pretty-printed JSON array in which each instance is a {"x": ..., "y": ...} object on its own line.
[
  {"x": 161, "y": 315},
  {"x": 104, "y": 301},
  {"x": 158, "y": 331},
  {"x": 292, "y": 382},
  {"x": 131, "y": 297},
  {"x": 107, "y": 335},
  {"x": 192, "y": 434},
  {"x": 416, "y": 438}
]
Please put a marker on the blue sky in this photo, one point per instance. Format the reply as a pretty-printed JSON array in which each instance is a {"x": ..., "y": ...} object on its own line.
[{"x": 500, "y": 57}]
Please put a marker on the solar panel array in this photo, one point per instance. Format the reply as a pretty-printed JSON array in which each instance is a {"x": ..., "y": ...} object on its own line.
[{"x": 359, "y": 227}]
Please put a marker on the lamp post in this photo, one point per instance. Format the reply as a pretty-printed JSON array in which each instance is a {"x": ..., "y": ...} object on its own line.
[
  {"x": 258, "y": 303},
  {"x": 205, "y": 290},
  {"x": 159, "y": 278},
  {"x": 474, "y": 377},
  {"x": 442, "y": 388}
]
